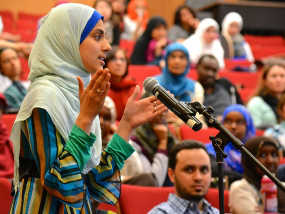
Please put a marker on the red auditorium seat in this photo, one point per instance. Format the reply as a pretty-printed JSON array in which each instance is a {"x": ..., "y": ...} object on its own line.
[
  {"x": 8, "y": 120},
  {"x": 245, "y": 94},
  {"x": 202, "y": 135},
  {"x": 127, "y": 45},
  {"x": 8, "y": 21},
  {"x": 5, "y": 195},
  {"x": 241, "y": 79},
  {"x": 265, "y": 40},
  {"x": 140, "y": 200},
  {"x": 234, "y": 64},
  {"x": 140, "y": 72}
]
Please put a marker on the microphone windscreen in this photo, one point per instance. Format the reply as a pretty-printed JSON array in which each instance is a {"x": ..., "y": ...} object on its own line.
[{"x": 149, "y": 84}]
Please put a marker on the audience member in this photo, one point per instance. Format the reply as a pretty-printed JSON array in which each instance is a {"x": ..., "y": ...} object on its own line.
[
  {"x": 6, "y": 146},
  {"x": 14, "y": 90},
  {"x": 174, "y": 79},
  {"x": 278, "y": 131},
  {"x": 107, "y": 120},
  {"x": 185, "y": 24},
  {"x": 245, "y": 195},
  {"x": 218, "y": 92},
  {"x": 57, "y": 135},
  {"x": 238, "y": 121},
  {"x": 149, "y": 47},
  {"x": 152, "y": 142},
  {"x": 190, "y": 172},
  {"x": 118, "y": 7},
  {"x": 235, "y": 47},
  {"x": 263, "y": 105},
  {"x": 174, "y": 75},
  {"x": 104, "y": 7},
  {"x": 205, "y": 41},
  {"x": 122, "y": 85},
  {"x": 136, "y": 20}
]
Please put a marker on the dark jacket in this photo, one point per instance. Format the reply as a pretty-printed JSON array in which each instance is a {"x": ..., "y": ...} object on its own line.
[{"x": 231, "y": 89}]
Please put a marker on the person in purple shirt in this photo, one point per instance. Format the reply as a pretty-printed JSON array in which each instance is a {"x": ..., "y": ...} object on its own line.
[{"x": 190, "y": 171}]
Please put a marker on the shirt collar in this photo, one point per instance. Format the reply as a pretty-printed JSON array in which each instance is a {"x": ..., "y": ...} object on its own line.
[{"x": 183, "y": 205}]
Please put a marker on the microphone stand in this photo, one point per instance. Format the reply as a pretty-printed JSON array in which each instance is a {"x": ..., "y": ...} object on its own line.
[{"x": 220, "y": 141}]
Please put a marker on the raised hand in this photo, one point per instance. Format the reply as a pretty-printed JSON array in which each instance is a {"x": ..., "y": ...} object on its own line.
[
  {"x": 138, "y": 112},
  {"x": 161, "y": 131},
  {"x": 92, "y": 98}
]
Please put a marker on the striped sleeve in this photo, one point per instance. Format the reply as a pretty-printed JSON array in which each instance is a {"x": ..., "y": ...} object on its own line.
[
  {"x": 60, "y": 174},
  {"x": 103, "y": 181}
]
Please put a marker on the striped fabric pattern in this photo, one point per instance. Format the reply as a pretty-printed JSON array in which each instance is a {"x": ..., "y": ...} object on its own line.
[{"x": 61, "y": 188}]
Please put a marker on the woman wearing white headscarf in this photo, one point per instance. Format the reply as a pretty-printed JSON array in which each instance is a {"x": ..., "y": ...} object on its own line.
[
  {"x": 59, "y": 163},
  {"x": 234, "y": 45},
  {"x": 205, "y": 41}
]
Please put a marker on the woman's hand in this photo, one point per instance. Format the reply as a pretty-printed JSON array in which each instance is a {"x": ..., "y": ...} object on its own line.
[
  {"x": 92, "y": 98},
  {"x": 161, "y": 131},
  {"x": 160, "y": 45},
  {"x": 138, "y": 112}
]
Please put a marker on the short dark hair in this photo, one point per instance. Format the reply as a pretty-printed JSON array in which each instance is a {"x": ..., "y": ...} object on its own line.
[
  {"x": 186, "y": 144},
  {"x": 201, "y": 59}
]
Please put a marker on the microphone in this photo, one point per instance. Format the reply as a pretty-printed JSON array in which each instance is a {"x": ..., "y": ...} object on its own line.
[{"x": 183, "y": 111}]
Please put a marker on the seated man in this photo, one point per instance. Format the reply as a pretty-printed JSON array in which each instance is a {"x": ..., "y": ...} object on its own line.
[
  {"x": 218, "y": 93},
  {"x": 10, "y": 69},
  {"x": 190, "y": 171}
]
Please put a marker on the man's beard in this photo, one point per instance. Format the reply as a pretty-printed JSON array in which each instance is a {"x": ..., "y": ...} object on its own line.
[
  {"x": 188, "y": 197},
  {"x": 183, "y": 194}
]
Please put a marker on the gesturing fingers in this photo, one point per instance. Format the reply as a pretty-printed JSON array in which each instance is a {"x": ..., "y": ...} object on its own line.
[
  {"x": 80, "y": 86},
  {"x": 102, "y": 82}
]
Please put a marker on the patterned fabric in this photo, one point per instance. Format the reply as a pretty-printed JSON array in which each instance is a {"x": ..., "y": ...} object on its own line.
[
  {"x": 58, "y": 186},
  {"x": 177, "y": 205}
]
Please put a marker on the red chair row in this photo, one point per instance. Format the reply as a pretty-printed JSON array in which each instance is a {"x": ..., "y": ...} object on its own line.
[
  {"x": 243, "y": 80},
  {"x": 265, "y": 40},
  {"x": 26, "y": 24},
  {"x": 140, "y": 200},
  {"x": 202, "y": 135},
  {"x": 141, "y": 72}
]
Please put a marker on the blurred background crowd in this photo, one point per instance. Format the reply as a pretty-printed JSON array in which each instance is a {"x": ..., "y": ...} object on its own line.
[{"x": 194, "y": 49}]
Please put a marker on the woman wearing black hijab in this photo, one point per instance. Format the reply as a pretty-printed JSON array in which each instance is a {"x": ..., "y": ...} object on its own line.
[{"x": 139, "y": 55}]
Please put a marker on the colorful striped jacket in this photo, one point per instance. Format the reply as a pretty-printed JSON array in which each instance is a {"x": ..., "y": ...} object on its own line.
[{"x": 51, "y": 180}]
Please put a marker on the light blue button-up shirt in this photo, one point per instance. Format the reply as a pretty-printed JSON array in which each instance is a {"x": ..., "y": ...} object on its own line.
[{"x": 177, "y": 205}]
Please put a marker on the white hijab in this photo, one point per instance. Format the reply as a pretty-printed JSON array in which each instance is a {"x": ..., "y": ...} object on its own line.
[
  {"x": 230, "y": 18},
  {"x": 197, "y": 47},
  {"x": 235, "y": 17},
  {"x": 54, "y": 63}
]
